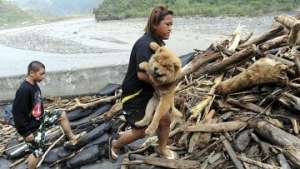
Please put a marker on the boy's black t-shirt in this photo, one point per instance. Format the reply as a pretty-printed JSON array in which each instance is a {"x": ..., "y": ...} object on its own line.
[
  {"x": 27, "y": 108},
  {"x": 141, "y": 52}
]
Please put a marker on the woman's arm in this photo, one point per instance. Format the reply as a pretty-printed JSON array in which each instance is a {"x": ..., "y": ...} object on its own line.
[{"x": 143, "y": 76}]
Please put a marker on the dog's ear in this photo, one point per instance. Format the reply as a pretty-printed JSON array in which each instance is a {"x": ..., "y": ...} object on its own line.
[
  {"x": 154, "y": 46},
  {"x": 177, "y": 66}
]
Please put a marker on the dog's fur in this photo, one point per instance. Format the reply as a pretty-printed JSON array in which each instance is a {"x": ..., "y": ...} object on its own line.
[{"x": 164, "y": 68}]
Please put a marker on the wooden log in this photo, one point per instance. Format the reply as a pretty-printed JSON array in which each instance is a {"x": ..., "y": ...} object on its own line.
[
  {"x": 242, "y": 55},
  {"x": 277, "y": 31},
  {"x": 258, "y": 163},
  {"x": 263, "y": 71},
  {"x": 283, "y": 162},
  {"x": 94, "y": 103},
  {"x": 217, "y": 127},
  {"x": 237, "y": 163},
  {"x": 236, "y": 39},
  {"x": 290, "y": 101},
  {"x": 199, "y": 61},
  {"x": 274, "y": 43},
  {"x": 287, "y": 21},
  {"x": 198, "y": 109},
  {"x": 163, "y": 162},
  {"x": 245, "y": 105},
  {"x": 289, "y": 143},
  {"x": 293, "y": 24}
]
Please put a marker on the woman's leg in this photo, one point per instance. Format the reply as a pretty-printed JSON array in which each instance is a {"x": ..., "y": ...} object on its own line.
[
  {"x": 127, "y": 137},
  {"x": 163, "y": 132}
]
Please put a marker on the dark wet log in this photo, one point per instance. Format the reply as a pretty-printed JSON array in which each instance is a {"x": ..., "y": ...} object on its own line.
[
  {"x": 263, "y": 71},
  {"x": 163, "y": 162},
  {"x": 18, "y": 151},
  {"x": 236, "y": 57},
  {"x": 86, "y": 156},
  {"x": 289, "y": 143},
  {"x": 277, "y": 31},
  {"x": 57, "y": 154},
  {"x": 217, "y": 127},
  {"x": 231, "y": 153},
  {"x": 92, "y": 135},
  {"x": 78, "y": 114},
  {"x": 90, "y": 119}
]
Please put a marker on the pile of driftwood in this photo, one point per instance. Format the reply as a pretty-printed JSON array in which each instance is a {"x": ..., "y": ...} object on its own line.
[{"x": 240, "y": 104}]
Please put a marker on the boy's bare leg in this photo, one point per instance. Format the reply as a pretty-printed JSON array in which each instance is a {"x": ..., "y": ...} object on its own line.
[
  {"x": 32, "y": 161},
  {"x": 65, "y": 124},
  {"x": 127, "y": 137}
]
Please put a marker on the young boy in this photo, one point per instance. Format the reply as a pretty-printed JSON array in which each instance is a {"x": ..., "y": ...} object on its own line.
[{"x": 30, "y": 118}]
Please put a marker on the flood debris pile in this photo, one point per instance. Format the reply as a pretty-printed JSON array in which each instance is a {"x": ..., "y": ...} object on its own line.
[{"x": 240, "y": 100}]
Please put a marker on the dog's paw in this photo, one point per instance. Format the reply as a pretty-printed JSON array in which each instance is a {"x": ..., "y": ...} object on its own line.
[
  {"x": 141, "y": 123},
  {"x": 176, "y": 113},
  {"x": 150, "y": 131},
  {"x": 143, "y": 66}
]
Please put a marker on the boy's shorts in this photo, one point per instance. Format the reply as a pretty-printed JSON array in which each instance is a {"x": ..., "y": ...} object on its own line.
[{"x": 37, "y": 145}]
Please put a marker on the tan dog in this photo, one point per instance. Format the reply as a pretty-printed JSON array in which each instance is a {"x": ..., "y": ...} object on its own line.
[{"x": 164, "y": 67}]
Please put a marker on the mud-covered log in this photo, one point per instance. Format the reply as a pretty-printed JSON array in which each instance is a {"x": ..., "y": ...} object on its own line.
[
  {"x": 274, "y": 43},
  {"x": 163, "y": 162},
  {"x": 242, "y": 55},
  {"x": 290, "y": 101},
  {"x": 289, "y": 143},
  {"x": 287, "y": 21},
  {"x": 198, "y": 61},
  {"x": 217, "y": 127},
  {"x": 277, "y": 31},
  {"x": 237, "y": 163},
  {"x": 263, "y": 71}
]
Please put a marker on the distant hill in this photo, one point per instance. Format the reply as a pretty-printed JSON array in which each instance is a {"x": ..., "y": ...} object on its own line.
[
  {"x": 58, "y": 7},
  {"x": 119, "y": 9},
  {"x": 11, "y": 14}
]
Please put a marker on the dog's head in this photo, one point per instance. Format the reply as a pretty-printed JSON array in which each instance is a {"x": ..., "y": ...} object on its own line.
[{"x": 164, "y": 65}]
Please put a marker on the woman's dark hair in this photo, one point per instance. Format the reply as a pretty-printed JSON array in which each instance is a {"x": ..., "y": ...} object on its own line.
[
  {"x": 157, "y": 15},
  {"x": 35, "y": 66}
]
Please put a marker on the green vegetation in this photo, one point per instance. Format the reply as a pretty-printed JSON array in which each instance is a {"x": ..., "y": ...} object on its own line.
[
  {"x": 119, "y": 9},
  {"x": 11, "y": 15}
]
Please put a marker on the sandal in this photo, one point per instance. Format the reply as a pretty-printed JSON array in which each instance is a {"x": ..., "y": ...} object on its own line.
[
  {"x": 112, "y": 154},
  {"x": 171, "y": 155}
]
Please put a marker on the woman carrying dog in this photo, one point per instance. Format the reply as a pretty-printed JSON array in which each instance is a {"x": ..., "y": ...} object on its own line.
[{"x": 138, "y": 88}]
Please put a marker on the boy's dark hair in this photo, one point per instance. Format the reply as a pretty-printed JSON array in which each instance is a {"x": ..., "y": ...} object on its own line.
[
  {"x": 157, "y": 15},
  {"x": 35, "y": 66}
]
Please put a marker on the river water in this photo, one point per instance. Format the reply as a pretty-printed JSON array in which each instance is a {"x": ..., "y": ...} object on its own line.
[{"x": 84, "y": 43}]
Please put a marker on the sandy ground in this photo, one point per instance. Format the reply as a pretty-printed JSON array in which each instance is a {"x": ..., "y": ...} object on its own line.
[{"x": 83, "y": 43}]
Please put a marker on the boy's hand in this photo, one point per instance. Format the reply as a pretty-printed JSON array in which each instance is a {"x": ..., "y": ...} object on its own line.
[{"x": 29, "y": 138}]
